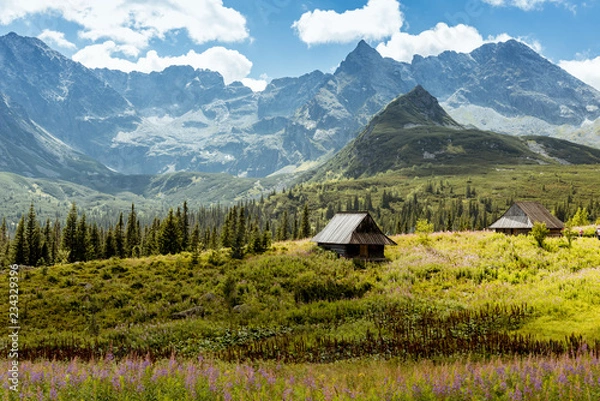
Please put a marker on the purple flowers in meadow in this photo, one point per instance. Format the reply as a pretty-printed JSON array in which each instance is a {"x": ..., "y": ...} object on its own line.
[{"x": 568, "y": 377}]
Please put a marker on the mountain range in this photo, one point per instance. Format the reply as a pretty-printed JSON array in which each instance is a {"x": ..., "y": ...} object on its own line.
[
  {"x": 414, "y": 130},
  {"x": 183, "y": 119}
]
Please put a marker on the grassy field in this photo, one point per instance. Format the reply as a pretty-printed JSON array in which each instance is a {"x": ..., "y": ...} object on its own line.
[
  {"x": 174, "y": 303},
  {"x": 223, "y": 329}
]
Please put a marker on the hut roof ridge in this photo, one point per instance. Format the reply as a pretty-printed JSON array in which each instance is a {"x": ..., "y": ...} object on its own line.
[{"x": 342, "y": 229}]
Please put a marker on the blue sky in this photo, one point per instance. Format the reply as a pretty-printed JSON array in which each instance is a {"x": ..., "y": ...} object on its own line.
[{"x": 257, "y": 40}]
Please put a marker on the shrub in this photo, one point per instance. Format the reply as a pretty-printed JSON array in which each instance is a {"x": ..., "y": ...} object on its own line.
[
  {"x": 539, "y": 232},
  {"x": 423, "y": 228}
]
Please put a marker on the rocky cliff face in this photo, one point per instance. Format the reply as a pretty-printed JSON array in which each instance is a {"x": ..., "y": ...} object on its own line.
[
  {"x": 183, "y": 119},
  {"x": 29, "y": 150},
  {"x": 62, "y": 96}
]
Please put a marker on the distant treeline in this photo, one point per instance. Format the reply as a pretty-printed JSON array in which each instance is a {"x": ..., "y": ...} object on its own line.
[{"x": 249, "y": 227}]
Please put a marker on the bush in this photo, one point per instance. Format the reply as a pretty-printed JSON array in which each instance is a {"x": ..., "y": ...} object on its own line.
[
  {"x": 539, "y": 232},
  {"x": 423, "y": 228}
]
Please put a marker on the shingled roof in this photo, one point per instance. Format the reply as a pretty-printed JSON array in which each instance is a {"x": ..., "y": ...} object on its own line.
[
  {"x": 352, "y": 228},
  {"x": 524, "y": 214}
]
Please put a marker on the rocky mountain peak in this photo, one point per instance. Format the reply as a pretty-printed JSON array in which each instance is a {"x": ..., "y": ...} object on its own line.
[
  {"x": 420, "y": 107},
  {"x": 362, "y": 58}
]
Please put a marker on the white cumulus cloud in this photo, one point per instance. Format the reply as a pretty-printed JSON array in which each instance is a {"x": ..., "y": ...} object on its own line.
[
  {"x": 57, "y": 38},
  {"x": 120, "y": 32},
  {"x": 460, "y": 38},
  {"x": 377, "y": 20},
  {"x": 586, "y": 70},
  {"x": 231, "y": 64},
  {"x": 137, "y": 22}
]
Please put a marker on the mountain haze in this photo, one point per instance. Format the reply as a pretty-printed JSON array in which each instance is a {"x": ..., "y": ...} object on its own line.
[
  {"x": 29, "y": 150},
  {"x": 185, "y": 119}
]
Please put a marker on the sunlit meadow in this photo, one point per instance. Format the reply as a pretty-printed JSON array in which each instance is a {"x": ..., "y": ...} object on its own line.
[{"x": 432, "y": 277}]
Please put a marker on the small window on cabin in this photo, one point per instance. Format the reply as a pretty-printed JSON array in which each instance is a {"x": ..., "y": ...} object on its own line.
[{"x": 364, "y": 251}]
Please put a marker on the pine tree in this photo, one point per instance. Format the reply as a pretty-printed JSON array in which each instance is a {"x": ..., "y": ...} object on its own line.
[
  {"x": 256, "y": 242},
  {"x": 47, "y": 244},
  {"x": 20, "y": 247},
  {"x": 356, "y": 205},
  {"x": 266, "y": 237},
  {"x": 109, "y": 245},
  {"x": 283, "y": 227},
  {"x": 95, "y": 250},
  {"x": 237, "y": 245},
  {"x": 70, "y": 234},
  {"x": 82, "y": 242},
  {"x": 385, "y": 199},
  {"x": 170, "y": 239},
  {"x": 55, "y": 244},
  {"x": 305, "y": 224},
  {"x": 4, "y": 241},
  {"x": 132, "y": 233},
  {"x": 33, "y": 236},
  {"x": 214, "y": 239},
  {"x": 226, "y": 237},
  {"x": 195, "y": 238},
  {"x": 184, "y": 227},
  {"x": 295, "y": 229},
  {"x": 120, "y": 238},
  {"x": 368, "y": 202}
]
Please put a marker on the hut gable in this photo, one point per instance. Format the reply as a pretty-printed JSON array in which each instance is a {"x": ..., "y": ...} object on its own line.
[
  {"x": 521, "y": 216},
  {"x": 353, "y": 235}
]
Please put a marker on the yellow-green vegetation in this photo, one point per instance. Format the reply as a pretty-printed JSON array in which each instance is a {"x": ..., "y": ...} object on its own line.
[{"x": 301, "y": 298}]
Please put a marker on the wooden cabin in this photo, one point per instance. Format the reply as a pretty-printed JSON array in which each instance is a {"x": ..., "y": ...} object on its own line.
[
  {"x": 354, "y": 235},
  {"x": 521, "y": 216}
]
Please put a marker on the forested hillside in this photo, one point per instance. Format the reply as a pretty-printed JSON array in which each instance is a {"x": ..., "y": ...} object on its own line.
[{"x": 397, "y": 200}]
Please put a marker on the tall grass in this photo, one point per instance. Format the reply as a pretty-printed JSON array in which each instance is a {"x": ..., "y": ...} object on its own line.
[{"x": 568, "y": 377}]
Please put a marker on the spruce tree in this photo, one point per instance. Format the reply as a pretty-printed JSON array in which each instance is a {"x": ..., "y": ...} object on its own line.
[
  {"x": 368, "y": 202},
  {"x": 184, "y": 227},
  {"x": 305, "y": 224},
  {"x": 283, "y": 234},
  {"x": 195, "y": 238},
  {"x": 70, "y": 234},
  {"x": 4, "y": 241},
  {"x": 120, "y": 238},
  {"x": 55, "y": 244},
  {"x": 295, "y": 230},
  {"x": 20, "y": 247},
  {"x": 82, "y": 242},
  {"x": 95, "y": 249},
  {"x": 47, "y": 243},
  {"x": 109, "y": 245},
  {"x": 214, "y": 239},
  {"x": 33, "y": 235},
  {"x": 132, "y": 233},
  {"x": 170, "y": 239},
  {"x": 239, "y": 240},
  {"x": 266, "y": 237}
]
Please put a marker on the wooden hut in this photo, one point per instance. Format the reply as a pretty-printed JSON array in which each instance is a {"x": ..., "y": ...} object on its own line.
[
  {"x": 354, "y": 235},
  {"x": 521, "y": 216}
]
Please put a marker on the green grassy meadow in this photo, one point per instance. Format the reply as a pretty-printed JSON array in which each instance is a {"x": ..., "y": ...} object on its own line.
[
  {"x": 297, "y": 291},
  {"x": 171, "y": 327},
  {"x": 450, "y": 316}
]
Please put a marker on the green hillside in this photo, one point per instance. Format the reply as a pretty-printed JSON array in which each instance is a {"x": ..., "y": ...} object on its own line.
[
  {"x": 414, "y": 130},
  {"x": 297, "y": 297},
  {"x": 104, "y": 197}
]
